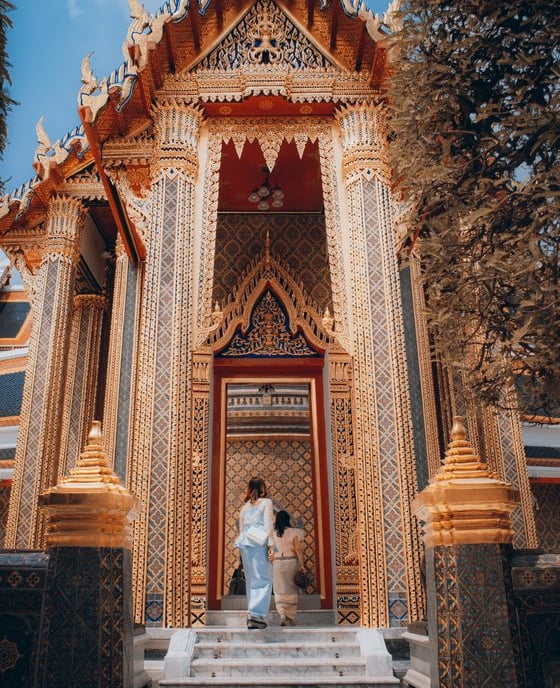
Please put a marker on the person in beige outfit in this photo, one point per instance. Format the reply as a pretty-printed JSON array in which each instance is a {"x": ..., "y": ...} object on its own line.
[{"x": 288, "y": 560}]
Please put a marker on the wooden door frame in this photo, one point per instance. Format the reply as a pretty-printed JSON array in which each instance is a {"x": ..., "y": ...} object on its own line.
[{"x": 271, "y": 370}]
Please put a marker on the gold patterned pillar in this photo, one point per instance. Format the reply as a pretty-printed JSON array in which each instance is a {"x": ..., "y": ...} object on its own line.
[
  {"x": 505, "y": 450},
  {"x": 119, "y": 388},
  {"x": 81, "y": 377},
  {"x": 386, "y": 474},
  {"x": 344, "y": 487},
  {"x": 160, "y": 459},
  {"x": 37, "y": 450}
]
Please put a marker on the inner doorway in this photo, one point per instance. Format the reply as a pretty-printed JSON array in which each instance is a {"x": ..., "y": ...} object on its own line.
[{"x": 269, "y": 422}]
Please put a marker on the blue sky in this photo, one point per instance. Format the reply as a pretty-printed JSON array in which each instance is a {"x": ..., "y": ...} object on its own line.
[{"x": 46, "y": 46}]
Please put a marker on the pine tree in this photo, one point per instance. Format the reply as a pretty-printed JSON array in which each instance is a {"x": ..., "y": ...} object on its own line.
[{"x": 474, "y": 99}]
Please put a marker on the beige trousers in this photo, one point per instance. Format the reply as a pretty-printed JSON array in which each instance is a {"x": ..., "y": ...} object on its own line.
[{"x": 285, "y": 590}]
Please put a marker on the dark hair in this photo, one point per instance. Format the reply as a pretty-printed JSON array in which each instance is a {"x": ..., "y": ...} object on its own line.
[
  {"x": 282, "y": 522},
  {"x": 255, "y": 489}
]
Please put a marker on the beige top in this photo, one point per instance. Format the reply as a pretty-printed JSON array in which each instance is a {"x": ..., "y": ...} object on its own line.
[{"x": 289, "y": 545}]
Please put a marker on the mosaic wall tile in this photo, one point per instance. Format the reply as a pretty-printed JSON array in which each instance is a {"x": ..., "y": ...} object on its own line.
[
  {"x": 298, "y": 240},
  {"x": 154, "y": 609},
  {"x": 547, "y": 515},
  {"x": 414, "y": 380},
  {"x": 285, "y": 464},
  {"x": 4, "y": 504},
  {"x": 22, "y": 587},
  {"x": 125, "y": 382},
  {"x": 474, "y": 636},
  {"x": 385, "y": 392},
  {"x": 87, "y": 638}
]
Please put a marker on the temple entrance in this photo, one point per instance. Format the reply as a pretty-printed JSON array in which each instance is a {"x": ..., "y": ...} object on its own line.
[{"x": 269, "y": 420}]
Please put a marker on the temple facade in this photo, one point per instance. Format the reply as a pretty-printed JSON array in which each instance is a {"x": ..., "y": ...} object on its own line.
[{"x": 210, "y": 266}]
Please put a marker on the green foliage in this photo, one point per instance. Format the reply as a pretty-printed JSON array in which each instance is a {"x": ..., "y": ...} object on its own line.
[
  {"x": 6, "y": 102},
  {"x": 475, "y": 107}
]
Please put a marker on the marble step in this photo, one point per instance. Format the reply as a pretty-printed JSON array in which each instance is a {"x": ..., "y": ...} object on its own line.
[
  {"x": 288, "y": 666},
  {"x": 318, "y": 650},
  {"x": 237, "y": 618},
  {"x": 286, "y": 656},
  {"x": 258, "y": 681},
  {"x": 277, "y": 634}
]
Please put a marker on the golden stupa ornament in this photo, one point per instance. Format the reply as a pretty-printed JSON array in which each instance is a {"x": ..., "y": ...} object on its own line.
[
  {"x": 90, "y": 507},
  {"x": 465, "y": 503}
]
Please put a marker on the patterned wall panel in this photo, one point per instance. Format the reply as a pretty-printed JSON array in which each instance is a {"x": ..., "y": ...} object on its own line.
[
  {"x": 285, "y": 465},
  {"x": 88, "y": 633},
  {"x": 4, "y": 504},
  {"x": 547, "y": 515},
  {"x": 125, "y": 381},
  {"x": 22, "y": 587},
  {"x": 160, "y": 449},
  {"x": 414, "y": 379},
  {"x": 298, "y": 240},
  {"x": 393, "y": 427}
]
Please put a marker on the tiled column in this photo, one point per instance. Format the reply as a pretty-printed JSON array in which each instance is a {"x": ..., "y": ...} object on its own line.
[
  {"x": 81, "y": 377},
  {"x": 160, "y": 459},
  {"x": 43, "y": 394},
  {"x": 465, "y": 514},
  {"x": 119, "y": 389},
  {"x": 391, "y": 588},
  {"x": 87, "y": 630}
]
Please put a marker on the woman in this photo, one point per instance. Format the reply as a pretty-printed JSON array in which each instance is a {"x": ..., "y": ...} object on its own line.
[
  {"x": 256, "y": 546},
  {"x": 288, "y": 559}
]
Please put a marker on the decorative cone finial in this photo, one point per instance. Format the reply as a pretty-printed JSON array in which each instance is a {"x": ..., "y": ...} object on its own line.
[
  {"x": 89, "y": 507},
  {"x": 92, "y": 465},
  {"x": 465, "y": 503}
]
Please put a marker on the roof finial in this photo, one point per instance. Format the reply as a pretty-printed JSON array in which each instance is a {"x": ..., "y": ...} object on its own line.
[
  {"x": 89, "y": 81},
  {"x": 43, "y": 139}
]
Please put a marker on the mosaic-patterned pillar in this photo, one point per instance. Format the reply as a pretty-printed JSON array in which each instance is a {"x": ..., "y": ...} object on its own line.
[
  {"x": 81, "y": 377},
  {"x": 389, "y": 541},
  {"x": 119, "y": 389},
  {"x": 86, "y": 632},
  {"x": 37, "y": 450},
  {"x": 160, "y": 459},
  {"x": 466, "y": 519},
  {"x": 504, "y": 447},
  {"x": 344, "y": 488}
]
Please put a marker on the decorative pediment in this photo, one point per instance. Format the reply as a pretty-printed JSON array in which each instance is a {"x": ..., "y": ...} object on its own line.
[
  {"x": 270, "y": 315},
  {"x": 265, "y": 36},
  {"x": 268, "y": 334}
]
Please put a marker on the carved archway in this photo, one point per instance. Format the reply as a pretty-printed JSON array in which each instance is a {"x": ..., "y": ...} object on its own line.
[{"x": 271, "y": 333}]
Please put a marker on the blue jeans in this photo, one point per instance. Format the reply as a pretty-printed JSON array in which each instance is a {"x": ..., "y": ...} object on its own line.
[{"x": 258, "y": 578}]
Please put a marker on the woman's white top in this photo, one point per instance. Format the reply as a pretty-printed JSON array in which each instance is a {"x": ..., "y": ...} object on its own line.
[{"x": 258, "y": 514}]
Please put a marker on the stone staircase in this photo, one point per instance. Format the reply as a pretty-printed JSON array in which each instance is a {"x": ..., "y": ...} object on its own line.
[{"x": 279, "y": 657}]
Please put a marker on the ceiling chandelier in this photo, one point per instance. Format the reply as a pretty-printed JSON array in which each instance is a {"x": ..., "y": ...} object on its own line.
[{"x": 265, "y": 195}]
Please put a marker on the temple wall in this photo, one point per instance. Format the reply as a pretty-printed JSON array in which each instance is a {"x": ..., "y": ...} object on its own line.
[
  {"x": 285, "y": 465},
  {"x": 298, "y": 240},
  {"x": 547, "y": 515},
  {"x": 4, "y": 504}
]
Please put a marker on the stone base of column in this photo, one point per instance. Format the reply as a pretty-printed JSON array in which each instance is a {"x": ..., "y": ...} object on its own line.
[
  {"x": 468, "y": 617},
  {"x": 87, "y": 633}
]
